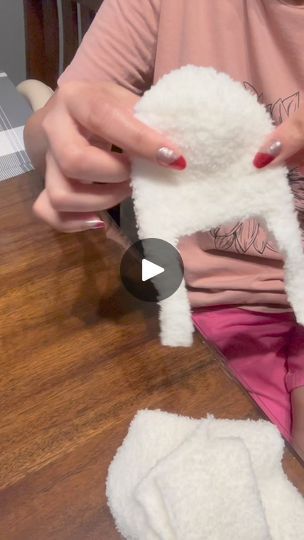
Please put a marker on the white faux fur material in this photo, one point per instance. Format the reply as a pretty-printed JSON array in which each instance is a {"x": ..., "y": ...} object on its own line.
[
  {"x": 176, "y": 478},
  {"x": 219, "y": 126}
]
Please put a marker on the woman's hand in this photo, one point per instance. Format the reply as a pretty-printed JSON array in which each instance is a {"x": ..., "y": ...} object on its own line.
[
  {"x": 82, "y": 175},
  {"x": 285, "y": 144}
]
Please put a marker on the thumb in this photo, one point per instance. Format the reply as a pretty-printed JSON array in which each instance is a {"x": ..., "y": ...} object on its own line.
[{"x": 284, "y": 143}]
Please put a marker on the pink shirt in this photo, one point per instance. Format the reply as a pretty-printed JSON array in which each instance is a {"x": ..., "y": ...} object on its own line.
[{"x": 258, "y": 42}]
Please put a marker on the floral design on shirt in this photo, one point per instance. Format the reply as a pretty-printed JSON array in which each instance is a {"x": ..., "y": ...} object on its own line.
[{"x": 249, "y": 235}]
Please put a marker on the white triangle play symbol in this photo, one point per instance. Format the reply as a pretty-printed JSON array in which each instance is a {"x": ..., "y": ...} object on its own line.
[{"x": 150, "y": 270}]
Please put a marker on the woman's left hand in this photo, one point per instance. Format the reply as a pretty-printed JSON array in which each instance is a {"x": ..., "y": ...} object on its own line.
[{"x": 284, "y": 145}]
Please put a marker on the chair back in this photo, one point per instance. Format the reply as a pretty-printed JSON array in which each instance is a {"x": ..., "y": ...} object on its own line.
[{"x": 53, "y": 32}]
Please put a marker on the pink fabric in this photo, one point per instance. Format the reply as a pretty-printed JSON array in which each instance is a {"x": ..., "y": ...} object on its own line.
[
  {"x": 265, "y": 351},
  {"x": 258, "y": 42}
]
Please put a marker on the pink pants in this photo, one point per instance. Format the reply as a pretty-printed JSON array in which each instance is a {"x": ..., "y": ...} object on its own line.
[{"x": 265, "y": 351}]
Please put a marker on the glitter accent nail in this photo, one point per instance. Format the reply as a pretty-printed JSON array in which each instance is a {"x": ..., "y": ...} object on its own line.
[
  {"x": 276, "y": 148},
  {"x": 95, "y": 224},
  {"x": 169, "y": 158}
]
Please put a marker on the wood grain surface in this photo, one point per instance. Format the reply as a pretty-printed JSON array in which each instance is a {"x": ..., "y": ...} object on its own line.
[{"x": 79, "y": 357}]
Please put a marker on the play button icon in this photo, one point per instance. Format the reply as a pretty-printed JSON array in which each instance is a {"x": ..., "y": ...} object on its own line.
[{"x": 151, "y": 269}]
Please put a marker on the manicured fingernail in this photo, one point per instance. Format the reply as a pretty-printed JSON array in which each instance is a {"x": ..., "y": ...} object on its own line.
[
  {"x": 95, "y": 224},
  {"x": 264, "y": 158},
  {"x": 168, "y": 158}
]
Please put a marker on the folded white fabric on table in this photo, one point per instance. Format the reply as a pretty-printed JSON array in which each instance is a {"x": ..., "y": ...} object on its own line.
[{"x": 176, "y": 478}]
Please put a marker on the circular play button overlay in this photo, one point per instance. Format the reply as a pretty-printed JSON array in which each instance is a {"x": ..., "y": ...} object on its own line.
[{"x": 151, "y": 270}]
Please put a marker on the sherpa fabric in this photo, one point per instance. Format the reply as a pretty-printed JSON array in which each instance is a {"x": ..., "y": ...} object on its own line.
[
  {"x": 176, "y": 478},
  {"x": 218, "y": 126}
]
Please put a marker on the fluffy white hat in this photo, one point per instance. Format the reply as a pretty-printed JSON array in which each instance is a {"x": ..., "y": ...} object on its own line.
[{"x": 219, "y": 126}]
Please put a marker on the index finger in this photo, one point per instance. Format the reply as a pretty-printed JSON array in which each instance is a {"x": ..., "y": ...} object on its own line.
[
  {"x": 116, "y": 123},
  {"x": 285, "y": 142}
]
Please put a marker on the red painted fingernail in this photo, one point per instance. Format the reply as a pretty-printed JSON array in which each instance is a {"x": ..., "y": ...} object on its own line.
[
  {"x": 264, "y": 158},
  {"x": 261, "y": 160},
  {"x": 180, "y": 164},
  {"x": 169, "y": 158}
]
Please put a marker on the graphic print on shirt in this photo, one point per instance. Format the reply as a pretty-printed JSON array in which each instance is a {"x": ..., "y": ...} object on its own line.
[{"x": 249, "y": 236}]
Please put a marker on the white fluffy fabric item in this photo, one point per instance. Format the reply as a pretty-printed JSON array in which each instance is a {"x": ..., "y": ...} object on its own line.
[
  {"x": 218, "y": 126},
  {"x": 176, "y": 478}
]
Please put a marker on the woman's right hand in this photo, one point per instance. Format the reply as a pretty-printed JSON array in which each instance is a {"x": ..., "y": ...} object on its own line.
[{"x": 82, "y": 175}]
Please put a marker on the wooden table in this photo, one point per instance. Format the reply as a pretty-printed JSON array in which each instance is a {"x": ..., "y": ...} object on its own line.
[{"x": 79, "y": 357}]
